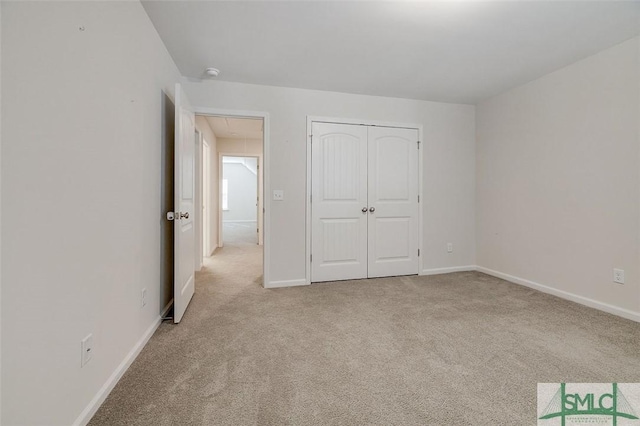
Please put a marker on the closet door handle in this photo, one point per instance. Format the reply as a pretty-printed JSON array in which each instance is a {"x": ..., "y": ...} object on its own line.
[
  {"x": 364, "y": 210},
  {"x": 372, "y": 209}
]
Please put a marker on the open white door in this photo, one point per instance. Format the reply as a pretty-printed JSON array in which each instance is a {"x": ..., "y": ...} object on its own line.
[{"x": 184, "y": 230}]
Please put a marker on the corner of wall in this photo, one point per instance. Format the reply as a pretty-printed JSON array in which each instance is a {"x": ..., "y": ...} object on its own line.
[
  {"x": 537, "y": 147},
  {"x": 0, "y": 213}
]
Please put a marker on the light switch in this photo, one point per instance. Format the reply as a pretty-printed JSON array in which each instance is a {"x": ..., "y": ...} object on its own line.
[{"x": 278, "y": 195}]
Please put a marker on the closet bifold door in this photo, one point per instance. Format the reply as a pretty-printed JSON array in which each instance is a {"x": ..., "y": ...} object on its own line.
[
  {"x": 339, "y": 209},
  {"x": 393, "y": 201}
]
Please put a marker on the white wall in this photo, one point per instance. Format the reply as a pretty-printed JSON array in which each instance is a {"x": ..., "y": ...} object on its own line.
[
  {"x": 242, "y": 193},
  {"x": 214, "y": 196},
  {"x": 240, "y": 146},
  {"x": 81, "y": 198},
  {"x": 558, "y": 183},
  {"x": 0, "y": 213},
  {"x": 449, "y": 154}
]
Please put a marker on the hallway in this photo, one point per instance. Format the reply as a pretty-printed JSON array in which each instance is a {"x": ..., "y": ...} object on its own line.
[
  {"x": 236, "y": 265},
  {"x": 239, "y": 234}
]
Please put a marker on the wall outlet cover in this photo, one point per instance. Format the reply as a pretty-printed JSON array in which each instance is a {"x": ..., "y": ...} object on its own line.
[
  {"x": 618, "y": 276},
  {"x": 86, "y": 346},
  {"x": 143, "y": 300}
]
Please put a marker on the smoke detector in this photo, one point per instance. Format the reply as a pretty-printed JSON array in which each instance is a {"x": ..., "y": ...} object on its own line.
[{"x": 212, "y": 72}]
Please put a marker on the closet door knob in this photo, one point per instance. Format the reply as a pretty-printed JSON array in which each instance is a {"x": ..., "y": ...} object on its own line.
[
  {"x": 364, "y": 210},
  {"x": 372, "y": 209}
]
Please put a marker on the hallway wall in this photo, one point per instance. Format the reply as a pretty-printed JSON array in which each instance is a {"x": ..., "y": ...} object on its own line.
[
  {"x": 243, "y": 192},
  {"x": 214, "y": 195}
]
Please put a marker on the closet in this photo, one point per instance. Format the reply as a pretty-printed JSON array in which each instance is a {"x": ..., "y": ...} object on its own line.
[{"x": 364, "y": 201}]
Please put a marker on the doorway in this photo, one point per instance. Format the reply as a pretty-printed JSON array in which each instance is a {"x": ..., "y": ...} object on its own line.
[
  {"x": 232, "y": 190},
  {"x": 240, "y": 200}
]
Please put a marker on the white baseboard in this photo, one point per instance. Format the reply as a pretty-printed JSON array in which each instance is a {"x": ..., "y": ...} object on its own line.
[
  {"x": 438, "y": 271},
  {"x": 111, "y": 382},
  {"x": 286, "y": 283},
  {"x": 212, "y": 251},
  {"x": 615, "y": 310},
  {"x": 238, "y": 221}
]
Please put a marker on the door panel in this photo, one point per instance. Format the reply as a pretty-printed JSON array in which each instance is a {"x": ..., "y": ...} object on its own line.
[
  {"x": 341, "y": 240},
  {"x": 184, "y": 230},
  {"x": 339, "y": 193},
  {"x": 393, "y": 196},
  {"x": 393, "y": 238}
]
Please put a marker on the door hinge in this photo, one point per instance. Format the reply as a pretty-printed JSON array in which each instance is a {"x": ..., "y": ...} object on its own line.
[
  {"x": 310, "y": 138},
  {"x": 418, "y": 198},
  {"x": 311, "y": 198},
  {"x": 418, "y": 252},
  {"x": 310, "y": 258},
  {"x": 418, "y": 142}
]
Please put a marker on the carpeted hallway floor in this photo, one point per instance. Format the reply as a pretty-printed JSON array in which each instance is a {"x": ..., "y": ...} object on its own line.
[
  {"x": 457, "y": 349},
  {"x": 238, "y": 234}
]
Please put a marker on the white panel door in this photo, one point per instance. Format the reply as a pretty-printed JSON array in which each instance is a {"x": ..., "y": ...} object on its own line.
[
  {"x": 184, "y": 232},
  {"x": 338, "y": 202},
  {"x": 393, "y": 201}
]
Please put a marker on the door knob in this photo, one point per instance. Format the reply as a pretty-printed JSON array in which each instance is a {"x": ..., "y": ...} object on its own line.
[
  {"x": 372, "y": 209},
  {"x": 184, "y": 215},
  {"x": 364, "y": 210}
]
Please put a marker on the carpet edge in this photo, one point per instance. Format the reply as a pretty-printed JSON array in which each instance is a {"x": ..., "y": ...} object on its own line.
[{"x": 601, "y": 306}]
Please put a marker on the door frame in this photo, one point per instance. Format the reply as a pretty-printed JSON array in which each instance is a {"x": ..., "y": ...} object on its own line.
[
  {"x": 361, "y": 122},
  {"x": 197, "y": 210},
  {"x": 206, "y": 198},
  {"x": 266, "y": 179},
  {"x": 221, "y": 213}
]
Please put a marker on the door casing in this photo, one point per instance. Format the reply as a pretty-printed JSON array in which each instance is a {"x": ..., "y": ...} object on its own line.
[
  {"x": 266, "y": 179},
  {"x": 199, "y": 201},
  {"x": 334, "y": 120}
]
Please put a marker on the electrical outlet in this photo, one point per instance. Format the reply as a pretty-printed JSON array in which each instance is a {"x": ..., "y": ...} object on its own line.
[
  {"x": 618, "y": 276},
  {"x": 86, "y": 346},
  {"x": 143, "y": 300},
  {"x": 449, "y": 247}
]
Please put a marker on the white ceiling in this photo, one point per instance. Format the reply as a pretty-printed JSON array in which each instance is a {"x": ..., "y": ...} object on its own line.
[
  {"x": 451, "y": 51},
  {"x": 236, "y": 128}
]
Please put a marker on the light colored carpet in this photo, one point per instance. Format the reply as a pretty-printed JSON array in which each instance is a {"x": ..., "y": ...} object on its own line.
[
  {"x": 239, "y": 233},
  {"x": 457, "y": 349}
]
